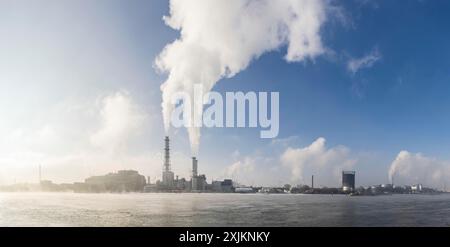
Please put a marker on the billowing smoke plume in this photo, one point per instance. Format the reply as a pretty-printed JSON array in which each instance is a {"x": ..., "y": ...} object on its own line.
[
  {"x": 410, "y": 168},
  {"x": 220, "y": 38}
]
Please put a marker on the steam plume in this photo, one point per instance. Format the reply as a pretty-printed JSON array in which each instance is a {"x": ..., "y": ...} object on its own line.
[
  {"x": 220, "y": 38},
  {"x": 413, "y": 168}
]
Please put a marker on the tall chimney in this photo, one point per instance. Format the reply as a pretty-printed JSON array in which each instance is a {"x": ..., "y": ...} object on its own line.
[
  {"x": 312, "y": 182},
  {"x": 194, "y": 167},
  {"x": 166, "y": 155}
]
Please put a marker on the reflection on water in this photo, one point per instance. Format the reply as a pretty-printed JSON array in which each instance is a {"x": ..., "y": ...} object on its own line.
[{"x": 67, "y": 209}]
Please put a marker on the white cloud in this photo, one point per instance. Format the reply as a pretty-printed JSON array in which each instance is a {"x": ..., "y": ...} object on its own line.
[
  {"x": 220, "y": 38},
  {"x": 239, "y": 167},
  {"x": 284, "y": 142},
  {"x": 356, "y": 64},
  {"x": 413, "y": 168},
  {"x": 121, "y": 119},
  {"x": 316, "y": 159},
  {"x": 80, "y": 138},
  {"x": 253, "y": 169}
]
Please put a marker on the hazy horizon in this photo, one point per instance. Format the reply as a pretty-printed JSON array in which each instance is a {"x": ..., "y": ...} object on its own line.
[{"x": 362, "y": 87}]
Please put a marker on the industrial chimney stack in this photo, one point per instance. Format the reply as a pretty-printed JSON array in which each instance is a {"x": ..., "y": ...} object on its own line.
[
  {"x": 168, "y": 175},
  {"x": 194, "y": 179},
  {"x": 166, "y": 155},
  {"x": 194, "y": 167}
]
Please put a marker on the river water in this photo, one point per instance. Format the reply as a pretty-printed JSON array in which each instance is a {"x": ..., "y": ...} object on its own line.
[{"x": 70, "y": 209}]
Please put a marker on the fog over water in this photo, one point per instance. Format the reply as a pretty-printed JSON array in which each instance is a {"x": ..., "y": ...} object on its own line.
[{"x": 68, "y": 209}]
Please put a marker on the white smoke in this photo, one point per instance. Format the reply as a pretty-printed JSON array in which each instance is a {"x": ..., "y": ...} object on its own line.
[
  {"x": 220, "y": 38},
  {"x": 410, "y": 168},
  {"x": 326, "y": 163}
]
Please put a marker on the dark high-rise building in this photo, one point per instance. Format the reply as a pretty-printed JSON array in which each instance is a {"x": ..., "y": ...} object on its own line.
[{"x": 348, "y": 181}]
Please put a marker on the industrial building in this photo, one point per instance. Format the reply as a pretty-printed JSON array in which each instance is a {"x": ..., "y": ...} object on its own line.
[
  {"x": 198, "y": 183},
  {"x": 348, "y": 181},
  {"x": 416, "y": 188},
  {"x": 122, "y": 181},
  {"x": 225, "y": 186}
]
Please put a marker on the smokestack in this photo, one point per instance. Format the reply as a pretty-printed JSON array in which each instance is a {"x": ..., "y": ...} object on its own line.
[
  {"x": 194, "y": 167},
  {"x": 166, "y": 155},
  {"x": 312, "y": 182}
]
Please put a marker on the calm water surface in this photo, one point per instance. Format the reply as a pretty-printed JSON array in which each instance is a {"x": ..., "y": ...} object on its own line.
[{"x": 68, "y": 209}]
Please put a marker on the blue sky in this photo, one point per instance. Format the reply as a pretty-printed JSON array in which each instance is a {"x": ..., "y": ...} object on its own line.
[{"x": 61, "y": 54}]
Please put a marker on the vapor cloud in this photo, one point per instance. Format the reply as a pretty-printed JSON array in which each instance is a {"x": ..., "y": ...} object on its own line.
[
  {"x": 240, "y": 169},
  {"x": 316, "y": 159},
  {"x": 218, "y": 39},
  {"x": 414, "y": 168},
  {"x": 253, "y": 169},
  {"x": 356, "y": 64},
  {"x": 120, "y": 119}
]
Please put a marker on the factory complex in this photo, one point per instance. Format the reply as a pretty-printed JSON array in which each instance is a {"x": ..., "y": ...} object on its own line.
[{"x": 132, "y": 181}]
